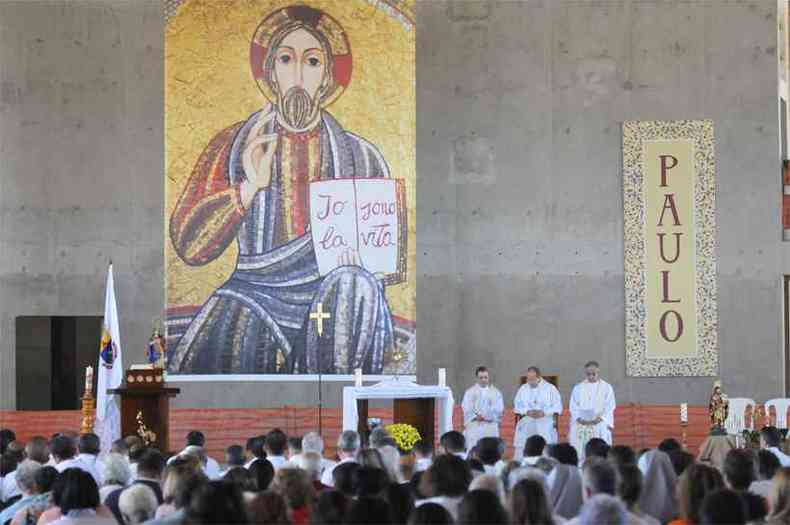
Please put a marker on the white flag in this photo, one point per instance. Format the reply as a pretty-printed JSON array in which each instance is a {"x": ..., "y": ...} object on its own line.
[{"x": 110, "y": 371}]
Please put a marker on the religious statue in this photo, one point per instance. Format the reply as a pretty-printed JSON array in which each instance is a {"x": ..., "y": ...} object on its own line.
[
  {"x": 250, "y": 185},
  {"x": 719, "y": 408},
  {"x": 156, "y": 350}
]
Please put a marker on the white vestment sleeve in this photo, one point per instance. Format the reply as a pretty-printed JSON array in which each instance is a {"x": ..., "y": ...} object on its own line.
[
  {"x": 575, "y": 404},
  {"x": 554, "y": 400},
  {"x": 609, "y": 406},
  {"x": 520, "y": 401},
  {"x": 468, "y": 406},
  {"x": 498, "y": 407}
]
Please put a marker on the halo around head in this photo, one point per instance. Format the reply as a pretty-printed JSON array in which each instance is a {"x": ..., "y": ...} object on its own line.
[{"x": 316, "y": 20}]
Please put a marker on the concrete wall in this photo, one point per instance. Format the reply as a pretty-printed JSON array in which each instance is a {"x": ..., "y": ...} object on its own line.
[{"x": 519, "y": 212}]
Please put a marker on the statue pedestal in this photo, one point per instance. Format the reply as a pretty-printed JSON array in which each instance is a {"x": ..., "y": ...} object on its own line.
[{"x": 714, "y": 449}]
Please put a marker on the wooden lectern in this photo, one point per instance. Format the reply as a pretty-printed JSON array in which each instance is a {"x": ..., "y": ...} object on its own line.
[
  {"x": 418, "y": 412},
  {"x": 145, "y": 406}
]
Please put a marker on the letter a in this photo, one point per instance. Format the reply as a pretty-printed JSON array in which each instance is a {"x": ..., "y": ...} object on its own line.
[{"x": 669, "y": 204}]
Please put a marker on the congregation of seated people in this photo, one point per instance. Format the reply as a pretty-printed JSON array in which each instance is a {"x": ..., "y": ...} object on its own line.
[{"x": 292, "y": 480}]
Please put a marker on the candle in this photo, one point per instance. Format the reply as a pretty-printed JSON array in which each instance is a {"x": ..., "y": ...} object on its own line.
[
  {"x": 89, "y": 379},
  {"x": 442, "y": 377},
  {"x": 684, "y": 412},
  {"x": 358, "y": 377}
]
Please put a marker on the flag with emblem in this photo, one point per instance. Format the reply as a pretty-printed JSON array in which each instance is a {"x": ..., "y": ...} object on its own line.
[{"x": 110, "y": 371}]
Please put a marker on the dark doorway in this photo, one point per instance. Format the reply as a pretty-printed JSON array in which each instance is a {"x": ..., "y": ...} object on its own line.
[{"x": 51, "y": 356}]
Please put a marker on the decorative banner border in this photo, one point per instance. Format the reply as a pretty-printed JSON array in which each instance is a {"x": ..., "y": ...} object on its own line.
[{"x": 635, "y": 136}]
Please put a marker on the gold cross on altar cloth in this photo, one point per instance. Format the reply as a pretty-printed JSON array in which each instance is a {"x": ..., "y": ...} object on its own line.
[{"x": 318, "y": 316}]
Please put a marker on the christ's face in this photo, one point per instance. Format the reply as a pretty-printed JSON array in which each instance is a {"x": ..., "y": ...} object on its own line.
[
  {"x": 592, "y": 373},
  {"x": 532, "y": 378},
  {"x": 300, "y": 62},
  {"x": 482, "y": 378}
]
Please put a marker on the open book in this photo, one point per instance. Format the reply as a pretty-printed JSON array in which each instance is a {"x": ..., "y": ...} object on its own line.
[{"x": 363, "y": 215}]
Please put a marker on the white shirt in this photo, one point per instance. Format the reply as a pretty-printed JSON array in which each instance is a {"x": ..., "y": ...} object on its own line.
[
  {"x": 9, "y": 487},
  {"x": 783, "y": 458},
  {"x": 96, "y": 463},
  {"x": 422, "y": 464},
  {"x": 211, "y": 469},
  {"x": 277, "y": 461},
  {"x": 326, "y": 477},
  {"x": 80, "y": 464}
]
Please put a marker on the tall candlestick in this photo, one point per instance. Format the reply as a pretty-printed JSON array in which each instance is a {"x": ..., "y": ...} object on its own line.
[
  {"x": 89, "y": 379},
  {"x": 357, "y": 377},
  {"x": 442, "y": 377},
  {"x": 684, "y": 413}
]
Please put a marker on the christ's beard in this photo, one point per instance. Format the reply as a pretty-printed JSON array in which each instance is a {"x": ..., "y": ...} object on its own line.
[{"x": 297, "y": 109}]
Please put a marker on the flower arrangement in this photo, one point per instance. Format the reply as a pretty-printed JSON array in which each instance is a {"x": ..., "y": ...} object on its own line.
[
  {"x": 148, "y": 436},
  {"x": 405, "y": 435}
]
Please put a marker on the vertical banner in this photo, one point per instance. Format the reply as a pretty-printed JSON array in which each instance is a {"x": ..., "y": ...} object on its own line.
[
  {"x": 670, "y": 242},
  {"x": 290, "y": 187}
]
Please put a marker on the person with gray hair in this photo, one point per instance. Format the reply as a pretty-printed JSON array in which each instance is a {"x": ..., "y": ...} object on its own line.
[
  {"x": 116, "y": 474},
  {"x": 313, "y": 442},
  {"x": 310, "y": 462},
  {"x": 598, "y": 478},
  {"x": 26, "y": 483},
  {"x": 602, "y": 508},
  {"x": 137, "y": 504},
  {"x": 379, "y": 437},
  {"x": 348, "y": 445}
]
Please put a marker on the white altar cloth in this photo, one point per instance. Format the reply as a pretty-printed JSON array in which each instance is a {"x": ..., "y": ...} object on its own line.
[{"x": 398, "y": 389}]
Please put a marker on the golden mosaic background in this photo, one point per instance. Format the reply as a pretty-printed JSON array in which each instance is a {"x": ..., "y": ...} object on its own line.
[
  {"x": 209, "y": 86},
  {"x": 707, "y": 361}
]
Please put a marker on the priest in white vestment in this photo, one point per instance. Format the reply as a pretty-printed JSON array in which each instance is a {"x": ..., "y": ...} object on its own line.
[
  {"x": 483, "y": 408},
  {"x": 537, "y": 401},
  {"x": 592, "y": 409}
]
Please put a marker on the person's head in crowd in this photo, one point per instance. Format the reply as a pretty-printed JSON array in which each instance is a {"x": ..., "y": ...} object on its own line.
[
  {"x": 452, "y": 442},
  {"x": 369, "y": 481},
  {"x": 6, "y": 436},
  {"x": 448, "y": 476},
  {"x": 312, "y": 442},
  {"x": 255, "y": 448},
  {"x": 598, "y": 477},
  {"x": 16, "y": 449},
  {"x": 136, "y": 452},
  {"x": 62, "y": 448},
  {"x": 295, "y": 486},
  {"x": 26, "y": 476},
  {"x": 620, "y": 455},
  {"x": 379, "y": 437},
  {"x": 430, "y": 514},
  {"x": 739, "y": 469},
  {"x": 488, "y": 482},
  {"x": 529, "y": 503},
  {"x": 596, "y": 448},
  {"x": 367, "y": 511},
  {"x": 150, "y": 465},
  {"x": 263, "y": 473},
  {"x": 390, "y": 456},
  {"x": 37, "y": 449},
  {"x": 348, "y": 444},
  {"x": 79, "y": 491},
  {"x": 344, "y": 476},
  {"x": 767, "y": 464},
  {"x": 696, "y": 482},
  {"x": 371, "y": 457},
  {"x": 241, "y": 477},
  {"x": 770, "y": 437},
  {"x": 137, "y": 504},
  {"x": 329, "y": 508},
  {"x": 423, "y": 450},
  {"x": 276, "y": 443},
  {"x": 268, "y": 508},
  {"x": 181, "y": 480},
  {"x": 669, "y": 445},
  {"x": 482, "y": 507},
  {"x": 115, "y": 470},
  {"x": 194, "y": 451},
  {"x": 119, "y": 446},
  {"x": 89, "y": 444},
  {"x": 534, "y": 446},
  {"x": 195, "y": 438},
  {"x": 234, "y": 456},
  {"x": 681, "y": 460},
  {"x": 603, "y": 509},
  {"x": 310, "y": 462},
  {"x": 564, "y": 453},
  {"x": 629, "y": 485},
  {"x": 779, "y": 498},
  {"x": 8, "y": 464},
  {"x": 723, "y": 507},
  {"x": 294, "y": 446},
  {"x": 45, "y": 479},
  {"x": 490, "y": 450},
  {"x": 133, "y": 441},
  {"x": 400, "y": 501},
  {"x": 216, "y": 502}
]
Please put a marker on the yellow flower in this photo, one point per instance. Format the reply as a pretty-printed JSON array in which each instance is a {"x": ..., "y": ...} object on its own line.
[{"x": 404, "y": 435}]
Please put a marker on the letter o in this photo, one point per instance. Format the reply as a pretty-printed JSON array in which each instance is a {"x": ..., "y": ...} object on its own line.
[{"x": 662, "y": 326}]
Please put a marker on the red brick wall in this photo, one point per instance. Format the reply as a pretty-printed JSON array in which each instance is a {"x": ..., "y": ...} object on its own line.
[{"x": 639, "y": 426}]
